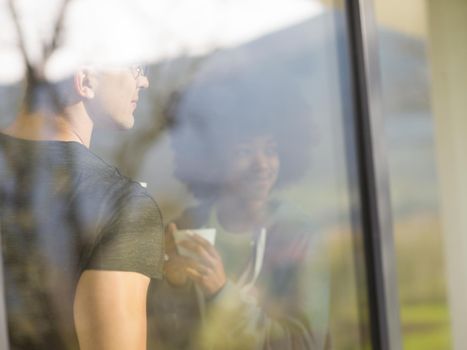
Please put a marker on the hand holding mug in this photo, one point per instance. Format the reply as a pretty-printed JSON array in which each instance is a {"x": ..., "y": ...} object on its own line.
[
  {"x": 207, "y": 271},
  {"x": 175, "y": 265}
]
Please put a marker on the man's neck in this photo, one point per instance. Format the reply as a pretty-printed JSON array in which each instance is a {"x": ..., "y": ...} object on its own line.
[{"x": 74, "y": 124}]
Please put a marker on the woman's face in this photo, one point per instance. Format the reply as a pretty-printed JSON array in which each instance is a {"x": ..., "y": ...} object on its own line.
[{"x": 252, "y": 168}]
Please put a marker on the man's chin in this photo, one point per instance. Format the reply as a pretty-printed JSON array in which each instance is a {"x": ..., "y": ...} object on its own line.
[
  {"x": 112, "y": 123},
  {"x": 127, "y": 123}
]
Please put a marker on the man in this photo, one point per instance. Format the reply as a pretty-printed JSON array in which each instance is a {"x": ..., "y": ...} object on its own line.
[{"x": 80, "y": 241}]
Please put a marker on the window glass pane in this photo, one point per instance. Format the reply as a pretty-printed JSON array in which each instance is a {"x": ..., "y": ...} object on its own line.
[
  {"x": 406, "y": 67},
  {"x": 241, "y": 132}
]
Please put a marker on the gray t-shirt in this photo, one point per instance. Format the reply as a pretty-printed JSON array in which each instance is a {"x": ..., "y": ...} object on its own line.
[{"x": 63, "y": 210}]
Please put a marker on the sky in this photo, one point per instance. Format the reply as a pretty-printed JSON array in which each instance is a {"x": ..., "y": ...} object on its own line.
[{"x": 116, "y": 32}]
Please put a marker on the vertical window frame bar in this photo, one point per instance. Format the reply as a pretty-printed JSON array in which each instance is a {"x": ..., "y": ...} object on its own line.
[{"x": 373, "y": 171}]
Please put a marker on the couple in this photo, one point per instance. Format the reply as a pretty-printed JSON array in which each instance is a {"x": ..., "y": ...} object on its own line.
[{"x": 81, "y": 242}]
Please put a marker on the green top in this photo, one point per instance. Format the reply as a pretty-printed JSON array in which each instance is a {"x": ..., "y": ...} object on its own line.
[{"x": 235, "y": 249}]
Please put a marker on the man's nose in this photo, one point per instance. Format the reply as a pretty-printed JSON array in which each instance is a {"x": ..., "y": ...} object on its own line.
[{"x": 143, "y": 82}]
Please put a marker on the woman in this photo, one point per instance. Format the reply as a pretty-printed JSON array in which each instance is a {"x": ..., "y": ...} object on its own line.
[{"x": 264, "y": 283}]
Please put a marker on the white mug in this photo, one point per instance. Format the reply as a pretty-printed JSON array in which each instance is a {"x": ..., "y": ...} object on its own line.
[{"x": 209, "y": 234}]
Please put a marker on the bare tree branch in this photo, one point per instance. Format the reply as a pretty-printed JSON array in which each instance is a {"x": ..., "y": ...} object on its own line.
[
  {"x": 55, "y": 43},
  {"x": 35, "y": 74},
  {"x": 21, "y": 42}
]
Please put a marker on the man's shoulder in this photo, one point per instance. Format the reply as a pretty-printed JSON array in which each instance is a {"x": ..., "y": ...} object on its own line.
[
  {"x": 98, "y": 175},
  {"x": 102, "y": 185},
  {"x": 125, "y": 222}
]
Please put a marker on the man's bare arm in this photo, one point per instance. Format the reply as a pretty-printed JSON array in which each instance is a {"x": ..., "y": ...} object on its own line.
[{"x": 110, "y": 310}]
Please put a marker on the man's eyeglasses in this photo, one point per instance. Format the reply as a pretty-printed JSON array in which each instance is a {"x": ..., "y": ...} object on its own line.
[{"x": 138, "y": 71}]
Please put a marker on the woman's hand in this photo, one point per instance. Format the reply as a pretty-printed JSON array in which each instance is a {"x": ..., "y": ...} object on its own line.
[
  {"x": 175, "y": 265},
  {"x": 208, "y": 270}
]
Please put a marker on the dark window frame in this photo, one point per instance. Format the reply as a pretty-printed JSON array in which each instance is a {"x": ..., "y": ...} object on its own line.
[{"x": 373, "y": 177}]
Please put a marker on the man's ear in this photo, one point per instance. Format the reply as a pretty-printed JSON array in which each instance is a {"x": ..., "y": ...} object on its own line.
[{"x": 85, "y": 83}]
